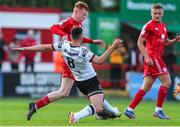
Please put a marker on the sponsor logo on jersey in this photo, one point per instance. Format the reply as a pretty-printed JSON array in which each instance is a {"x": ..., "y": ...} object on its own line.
[
  {"x": 70, "y": 53},
  {"x": 162, "y": 36}
]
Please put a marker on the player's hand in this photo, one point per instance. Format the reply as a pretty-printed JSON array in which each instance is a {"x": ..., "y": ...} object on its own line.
[
  {"x": 99, "y": 42},
  {"x": 149, "y": 61},
  {"x": 117, "y": 43},
  {"x": 177, "y": 90},
  {"x": 177, "y": 38}
]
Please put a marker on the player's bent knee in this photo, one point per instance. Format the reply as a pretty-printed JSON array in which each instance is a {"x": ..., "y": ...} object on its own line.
[
  {"x": 167, "y": 84},
  {"x": 146, "y": 89},
  {"x": 98, "y": 108}
]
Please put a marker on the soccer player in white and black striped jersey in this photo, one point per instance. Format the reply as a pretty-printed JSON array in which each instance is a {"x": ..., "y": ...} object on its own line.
[{"x": 79, "y": 59}]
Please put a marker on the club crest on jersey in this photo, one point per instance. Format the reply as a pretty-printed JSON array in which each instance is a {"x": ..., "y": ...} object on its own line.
[
  {"x": 84, "y": 52},
  {"x": 164, "y": 69},
  {"x": 162, "y": 36}
]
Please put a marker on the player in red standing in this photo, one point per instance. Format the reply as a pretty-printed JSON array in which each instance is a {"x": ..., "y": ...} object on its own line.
[
  {"x": 29, "y": 57},
  {"x": 154, "y": 34},
  {"x": 63, "y": 29}
]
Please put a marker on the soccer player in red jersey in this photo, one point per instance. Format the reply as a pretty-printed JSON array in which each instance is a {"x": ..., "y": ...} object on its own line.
[
  {"x": 63, "y": 29},
  {"x": 154, "y": 34}
]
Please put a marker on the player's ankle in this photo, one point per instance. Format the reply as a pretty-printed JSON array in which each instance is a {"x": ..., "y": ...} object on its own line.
[
  {"x": 116, "y": 111},
  {"x": 130, "y": 109},
  {"x": 158, "y": 108}
]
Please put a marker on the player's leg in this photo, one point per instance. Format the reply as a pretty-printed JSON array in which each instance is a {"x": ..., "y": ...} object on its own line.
[
  {"x": 109, "y": 111},
  {"x": 96, "y": 106},
  {"x": 65, "y": 88},
  {"x": 64, "y": 91},
  {"x": 147, "y": 83},
  {"x": 92, "y": 89},
  {"x": 166, "y": 82}
]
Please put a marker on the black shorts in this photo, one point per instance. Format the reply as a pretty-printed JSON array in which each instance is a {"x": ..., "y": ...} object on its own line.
[{"x": 89, "y": 87}]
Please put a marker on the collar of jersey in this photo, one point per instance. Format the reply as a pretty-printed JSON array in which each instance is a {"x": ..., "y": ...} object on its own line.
[{"x": 73, "y": 45}]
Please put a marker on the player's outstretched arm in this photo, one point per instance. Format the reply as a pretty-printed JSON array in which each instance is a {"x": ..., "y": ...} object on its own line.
[
  {"x": 97, "y": 41},
  {"x": 100, "y": 59},
  {"x": 171, "y": 42},
  {"x": 35, "y": 48}
]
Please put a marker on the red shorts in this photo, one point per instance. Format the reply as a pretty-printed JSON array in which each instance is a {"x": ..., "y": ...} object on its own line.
[
  {"x": 66, "y": 72},
  {"x": 158, "y": 68}
]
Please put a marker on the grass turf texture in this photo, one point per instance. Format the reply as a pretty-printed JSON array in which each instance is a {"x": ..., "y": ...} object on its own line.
[{"x": 13, "y": 113}]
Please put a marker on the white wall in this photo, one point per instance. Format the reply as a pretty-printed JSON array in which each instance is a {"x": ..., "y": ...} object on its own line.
[{"x": 38, "y": 67}]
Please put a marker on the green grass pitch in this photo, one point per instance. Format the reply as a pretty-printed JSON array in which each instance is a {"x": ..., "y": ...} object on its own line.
[{"x": 13, "y": 111}]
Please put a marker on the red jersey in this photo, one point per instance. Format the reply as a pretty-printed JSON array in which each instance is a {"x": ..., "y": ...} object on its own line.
[
  {"x": 156, "y": 35},
  {"x": 64, "y": 28}
]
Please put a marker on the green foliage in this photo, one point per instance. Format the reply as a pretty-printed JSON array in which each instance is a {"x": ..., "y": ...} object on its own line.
[{"x": 65, "y": 5}]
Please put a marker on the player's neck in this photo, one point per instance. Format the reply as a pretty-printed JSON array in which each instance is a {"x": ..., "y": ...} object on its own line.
[
  {"x": 74, "y": 17},
  {"x": 75, "y": 43},
  {"x": 156, "y": 21}
]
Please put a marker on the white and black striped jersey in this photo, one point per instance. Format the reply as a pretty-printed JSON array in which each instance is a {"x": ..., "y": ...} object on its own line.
[{"x": 78, "y": 59}]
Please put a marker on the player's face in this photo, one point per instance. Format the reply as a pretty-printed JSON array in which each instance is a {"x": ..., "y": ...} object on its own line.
[
  {"x": 81, "y": 14},
  {"x": 157, "y": 14}
]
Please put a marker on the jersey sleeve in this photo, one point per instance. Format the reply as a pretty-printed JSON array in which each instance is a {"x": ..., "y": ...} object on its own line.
[
  {"x": 57, "y": 46},
  {"x": 59, "y": 28},
  {"x": 87, "y": 54},
  {"x": 87, "y": 40},
  {"x": 146, "y": 30}
]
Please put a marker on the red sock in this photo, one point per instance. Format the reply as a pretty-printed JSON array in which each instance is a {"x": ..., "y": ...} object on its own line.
[
  {"x": 161, "y": 95},
  {"x": 42, "y": 102},
  {"x": 137, "y": 98}
]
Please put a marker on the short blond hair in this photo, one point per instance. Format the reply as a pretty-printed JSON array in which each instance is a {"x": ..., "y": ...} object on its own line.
[
  {"x": 157, "y": 6},
  {"x": 81, "y": 5}
]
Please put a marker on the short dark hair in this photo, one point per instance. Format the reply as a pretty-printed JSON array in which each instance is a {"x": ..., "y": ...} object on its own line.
[
  {"x": 81, "y": 5},
  {"x": 157, "y": 6},
  {"x": 76, "y": 33}
]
